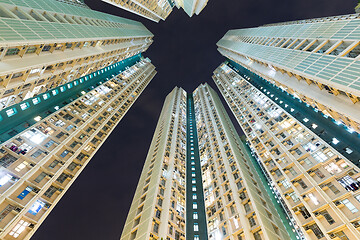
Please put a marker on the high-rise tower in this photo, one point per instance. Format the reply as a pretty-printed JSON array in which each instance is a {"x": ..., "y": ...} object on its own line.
[
  {"x": 46, "y": 141},
  {"x": 47, "y": 43},
  {"x": 157, "y": 10},
  {"x": 317, "y": 60},
  {"x": 311, "y": 163},
  {"x": 199, "y": 179}
]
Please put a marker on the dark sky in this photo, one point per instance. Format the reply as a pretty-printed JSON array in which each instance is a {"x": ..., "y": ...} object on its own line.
[{"x": 185, "y": 55}]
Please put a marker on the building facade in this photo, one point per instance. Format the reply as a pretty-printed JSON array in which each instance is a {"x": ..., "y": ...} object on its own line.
[
  {"x": 316, "y": 59},
  {"x": 47, "y": 43},
  {"x": 199, "y": 179},
  {"x": 157, "y": 10},
  {"x": 315, "y": 180},
  {"x": 64, "y": 129}
]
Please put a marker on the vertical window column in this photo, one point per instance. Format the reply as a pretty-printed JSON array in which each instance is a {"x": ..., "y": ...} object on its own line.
[{"x": 196, "y": 227}]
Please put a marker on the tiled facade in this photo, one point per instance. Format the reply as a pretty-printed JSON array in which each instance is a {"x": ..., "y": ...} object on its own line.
[
  {"x": 39, "y": 164},
  {"x": 44, "y": 44},
  {"x": 235, "y": 203},
  {"x": 315, "y": 59},
  {"x": 158, "y": 208},
  {"x": 317, "y": 183}
]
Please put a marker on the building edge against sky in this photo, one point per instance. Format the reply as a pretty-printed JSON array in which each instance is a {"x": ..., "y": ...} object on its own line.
[
  {"x": 157, "y": 10},
  {"x": 214, "y": 184},
  {"x": 316, "y": 182},
  {"x": 47, "y": 43},
  {"x": 316, "y": 60},
  {"x": 39, "y": 164}
]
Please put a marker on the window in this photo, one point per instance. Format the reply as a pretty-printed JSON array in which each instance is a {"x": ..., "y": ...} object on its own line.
[
  {"x": 302, "y": 183},
  {"x": 292, "y": 171},
  {"x": 46, "y": 96},
  {"x": 285, "y": 183},
  {"x": 64, "y": 153},
  {"x": 156, "y": 227},
  {"x": 195, "y": 215},
  {"x": 257, "y": 236},
  {"x": 333, "y": 188},
  {"x": 51, "y": 190},
  {"x": 342, "y": 235},
  {"x": 320, "y": 156},
  {"x": 19, "y": 228},
  {"x": 24, "y": 105},
  {"x": 319, "y": 173},
  {"x": 53, "y": 164},
  {"x": 313, "y": 198},
  {"x": 36, "y": 207},
  {"x": 35, "y": 136},
  {"x": 24, "y": 193},
  {"x": 316, "y": 230},
  {"x": 21, "y": 166},
  {"x": 49, "y": 143},
  {"x": 196, "y": 227},
  {"x": 294, "y": 197},
  {"x": 194, "y": 205},
  {"x": 349, "y": 205},
  {"x": 252, "y": 221},
  {"x": 328, "y": 217},
  {"x": 11, "y": 112}
]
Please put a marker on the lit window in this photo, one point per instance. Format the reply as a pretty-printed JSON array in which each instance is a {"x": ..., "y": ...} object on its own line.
[
  {"x": 36, "y": 207},
  {"x": 196, "y": 227},
  {"x": 305, "y": 120},
  {"x": 313, "y": 199},
  {"x": 11, "y": 112},
  {"x": 24, "y": 105},
  {"x": 37, "y": 118},
  {"x": 5, "y": 179},
  {"x": 335, "y": 141},
  {"x": 194, "y": 189},
  {"x": 54, "y": 92},
  {"x": 320, "y": 156},
  {"x": 193, "y": 181},
  {"x": 21, "y": 166},
  {"x": 349, "y": 205},
  {"x": 194, "y": 205},
  {"x": 195, "y": 215},
  {"x": 35, "y": 136},
  {"x": 19, "y": 228},
  {"x": 36, "y": 100},
  {"x": 45, "y": 96},
  {"x": 194, "y": 196}
]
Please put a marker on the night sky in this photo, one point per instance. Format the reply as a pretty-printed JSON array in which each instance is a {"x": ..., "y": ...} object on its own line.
[{"x": 184, "y": 53}]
